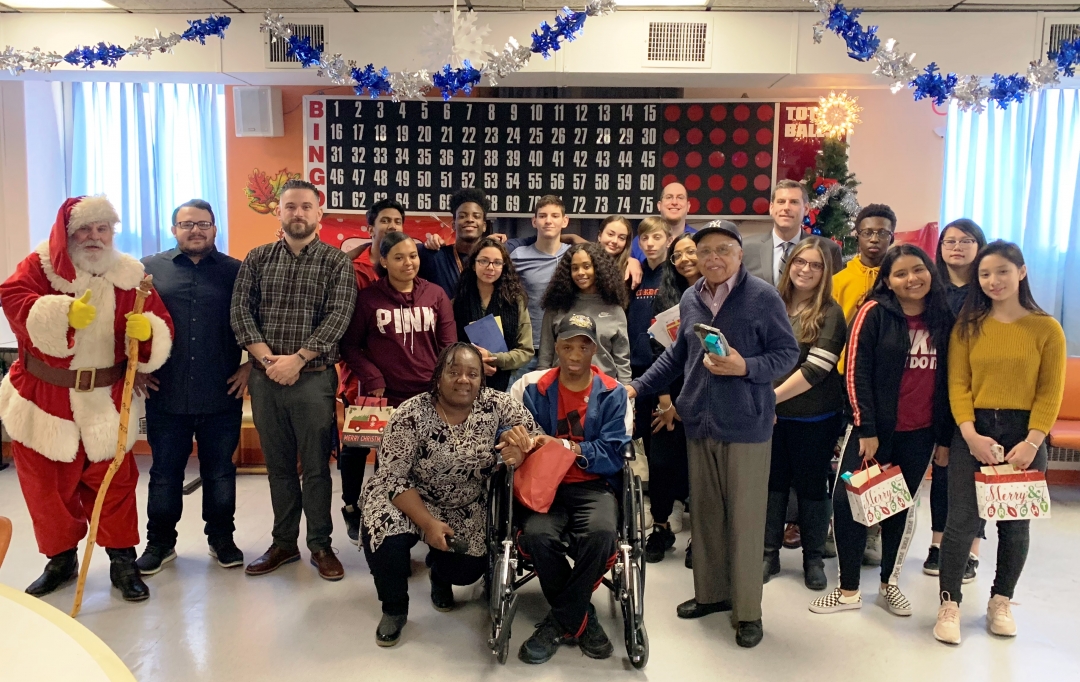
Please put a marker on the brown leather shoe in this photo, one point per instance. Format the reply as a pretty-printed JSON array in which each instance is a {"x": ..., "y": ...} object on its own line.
[
  {"x": 327, "y": 562},
  {"x": 792, "y": 536},
  {"x": 274, "y": 558}
]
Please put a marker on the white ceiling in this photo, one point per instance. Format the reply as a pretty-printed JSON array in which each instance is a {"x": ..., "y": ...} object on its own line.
[{"x": 320, "y": 6}]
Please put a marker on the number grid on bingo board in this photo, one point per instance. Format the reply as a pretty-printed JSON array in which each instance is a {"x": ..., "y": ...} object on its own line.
[{"x": 600, "y": 157}]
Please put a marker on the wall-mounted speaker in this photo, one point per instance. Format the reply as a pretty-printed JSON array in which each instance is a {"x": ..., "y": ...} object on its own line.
[{"x": 257, "y": 111}]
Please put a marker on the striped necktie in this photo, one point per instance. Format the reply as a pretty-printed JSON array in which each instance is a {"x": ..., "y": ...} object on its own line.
[{"x": 787, "y": 246}]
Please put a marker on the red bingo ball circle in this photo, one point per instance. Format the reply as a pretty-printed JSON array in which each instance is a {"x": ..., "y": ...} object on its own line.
[
  {"x": 740, "y": 159},
  {"x": 695, "y": 112},
  {"x": 714, "y": 205},
  {"x": 764, "y": 136},
  {"x": 763, "y": 159},
  {"x": 671, "y": 159},
  {"x": 738, "y": 182},
  {"x": 717, "y": 136},
  {"x": 692, "y": 183},
  {"x": 716, "y": 159},
  {"x": 695, "y": 205},
  {"x": 761, "y": 205},
  {"x": 741, "y": 136},
  {"x": 765, "y": 112},
  {"x": 718, "y": 113},
  {"x": 671, "y": 136},
  {"x": 694, "y": 136},
  {"x": 738, "y": 205},
  {"x": 693, "y": 159},
  {"x": 716, "y": 182},
  {"x": 762, "y": 182},
  {"x": 742, "y": 112},
  {"x": 672, "y": 112},
  {"x": 668, "y": 179}
]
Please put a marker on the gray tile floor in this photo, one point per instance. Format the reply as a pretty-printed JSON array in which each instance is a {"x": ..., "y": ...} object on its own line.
[{"x": 208, "y": 624}]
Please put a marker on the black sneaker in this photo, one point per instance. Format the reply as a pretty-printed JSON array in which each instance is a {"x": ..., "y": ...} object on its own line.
[
  {"x": 661, "y": 539},
  {"x": 770, "y": 566},
  {"x": 352, "y": 518},
  {"x": 154, "y": 558},
  {"x": 594, "y": 642},
  {"x": 971, "y": 569},
  {"x": 389, "y": 631},
  {"x": 689, "y": 560},
  {"x": 932, "y": 565},
  {"x": 228, "y": 555},
  {"x": 442, "y": 595},
  {"x": 544, "y": 642}
]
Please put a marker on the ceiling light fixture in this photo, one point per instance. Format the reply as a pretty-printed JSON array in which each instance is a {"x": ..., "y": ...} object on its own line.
[
  {"x": 663, "y": 3},
  {"x": 58, "y": 4}
]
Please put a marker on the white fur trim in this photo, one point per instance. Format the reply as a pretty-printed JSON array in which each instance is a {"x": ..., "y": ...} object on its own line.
[
  {"x": 47, "y": 325},
  {"x": 54, "y": 438},
  {"x": 126, "y": 273},
  {"x": 160, "y": 344},
  {"x": 92, "y": 209}
]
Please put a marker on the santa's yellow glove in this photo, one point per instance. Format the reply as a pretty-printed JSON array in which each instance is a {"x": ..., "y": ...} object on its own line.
[
  {"x": 81, "y": 313},
  {"x": 138, "y": 326}
]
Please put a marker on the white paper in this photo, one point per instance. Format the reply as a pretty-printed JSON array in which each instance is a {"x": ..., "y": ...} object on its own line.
[{"x": 666, "y": 326}]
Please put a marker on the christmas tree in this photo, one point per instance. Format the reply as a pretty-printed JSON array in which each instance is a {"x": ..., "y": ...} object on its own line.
[{"x": 833, "y": 202}]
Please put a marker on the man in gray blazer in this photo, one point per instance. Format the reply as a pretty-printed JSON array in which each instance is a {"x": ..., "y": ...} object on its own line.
[{"x": 764, "y": 255}]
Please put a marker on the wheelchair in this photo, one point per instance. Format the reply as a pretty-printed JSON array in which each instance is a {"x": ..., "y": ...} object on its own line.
[{"x": 508, "y": 570}]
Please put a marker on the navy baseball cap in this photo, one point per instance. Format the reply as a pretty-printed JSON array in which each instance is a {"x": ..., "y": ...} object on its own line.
[
  {"x": 576, "y": 324},
  {"x": 719, "y": 227}
]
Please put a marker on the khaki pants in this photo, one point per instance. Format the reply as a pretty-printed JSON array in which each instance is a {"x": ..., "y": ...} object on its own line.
[{"x": 729, "y": 487}]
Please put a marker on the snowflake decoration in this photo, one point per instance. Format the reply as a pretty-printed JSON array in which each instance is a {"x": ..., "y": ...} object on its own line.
[{"x": 455, "y": 37}]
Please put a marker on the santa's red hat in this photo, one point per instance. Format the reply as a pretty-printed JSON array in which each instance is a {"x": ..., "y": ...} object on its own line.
[{"x": 73, "y": 214}]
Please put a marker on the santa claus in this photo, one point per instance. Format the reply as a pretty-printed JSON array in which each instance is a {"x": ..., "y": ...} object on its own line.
[{"x": 69, "y": 304}]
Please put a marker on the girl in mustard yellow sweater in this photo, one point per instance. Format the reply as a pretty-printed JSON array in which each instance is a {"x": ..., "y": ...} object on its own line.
[{"x": 1006, "y": 379}]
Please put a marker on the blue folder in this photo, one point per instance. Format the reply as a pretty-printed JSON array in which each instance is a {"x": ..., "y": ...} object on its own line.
[{"x": 487, "y": 334}]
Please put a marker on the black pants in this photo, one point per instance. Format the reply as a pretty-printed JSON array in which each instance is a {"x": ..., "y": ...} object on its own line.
[
  {"x": 581, "y": 522},
  {"x": 669, "y": 476},
  {"x": 390, "y": 568},
  {"x": 352, "y": 462},
  {"x": 297, "y": 420},
  {"x": 1007, "y": 427},
  {"x": 911, "y": 451},
  {"x": 939, "y": 502},
  {"x": 170, "y": 437},
  {"x": 801, "y": 452}
]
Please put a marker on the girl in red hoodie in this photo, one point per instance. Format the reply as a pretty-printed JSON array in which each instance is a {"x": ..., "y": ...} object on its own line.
[{"x": 399, "y": 326}]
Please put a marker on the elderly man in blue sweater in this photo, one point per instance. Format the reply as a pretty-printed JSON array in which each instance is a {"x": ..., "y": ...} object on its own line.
[{"x": 728, "y": 408}]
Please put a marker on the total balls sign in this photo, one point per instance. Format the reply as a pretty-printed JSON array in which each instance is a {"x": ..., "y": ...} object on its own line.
[{"x": 600, "y": 156}]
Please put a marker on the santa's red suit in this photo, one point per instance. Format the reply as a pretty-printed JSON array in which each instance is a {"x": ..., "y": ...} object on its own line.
[{"x": 64, "y": 438}]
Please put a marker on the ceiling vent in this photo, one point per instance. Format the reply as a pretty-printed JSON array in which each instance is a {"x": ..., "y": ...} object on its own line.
[
  {"x": 277, "y": 51},
  {"x": 679, "y": 43},
  {"x": 1056, "y": 31}
]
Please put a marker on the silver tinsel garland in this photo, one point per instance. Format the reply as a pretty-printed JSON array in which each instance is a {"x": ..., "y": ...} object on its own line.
[
  {"x": 159, "y": 43},
  {"x": 512, "y": 59},
  {"x": 16, "y": 61},
  {"x": 276, "y": 25},
  {"x": 595, "y": 8},
  {"x": 336, "y": 69},
  {"x": 409, "y": 84},
  {"x": 970, "y": 94},
  {"x": 895, "y": 65},
  {"x": 846, "y": 196}
]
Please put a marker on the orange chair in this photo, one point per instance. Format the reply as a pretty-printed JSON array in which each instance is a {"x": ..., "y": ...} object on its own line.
[
  {"x": 5, "y": 537},
  {"x": 1066, "y": 432}
]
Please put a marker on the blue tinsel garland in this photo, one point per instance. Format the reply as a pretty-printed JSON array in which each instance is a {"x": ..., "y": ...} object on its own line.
[
  {"x": 108, "y": 54},
  {"x": 451, "y": 81},
  {"x": 375, "y": 82}
]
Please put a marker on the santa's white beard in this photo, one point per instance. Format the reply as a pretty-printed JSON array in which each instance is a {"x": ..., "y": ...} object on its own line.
[{"x": 94, "y": 262}]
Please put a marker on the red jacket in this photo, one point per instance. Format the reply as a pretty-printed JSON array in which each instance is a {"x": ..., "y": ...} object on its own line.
[{"x": 394, "y": 339}]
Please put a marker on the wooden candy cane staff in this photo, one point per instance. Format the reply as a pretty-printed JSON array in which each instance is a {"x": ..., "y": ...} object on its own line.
[{"x": 145, "y": 289}]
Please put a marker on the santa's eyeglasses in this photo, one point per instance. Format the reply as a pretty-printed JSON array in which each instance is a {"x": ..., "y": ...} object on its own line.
[{"x": 203, "y": 225}]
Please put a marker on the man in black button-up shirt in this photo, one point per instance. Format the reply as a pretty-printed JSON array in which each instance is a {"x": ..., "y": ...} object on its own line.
[{"x": 197, "y": 393}]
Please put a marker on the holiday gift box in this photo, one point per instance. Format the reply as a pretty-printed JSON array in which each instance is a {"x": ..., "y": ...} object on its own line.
[
  {"x": 875, "y": 493},
  {"x": 364, "y": 423},
  {"x": 1006, "y": 493}
]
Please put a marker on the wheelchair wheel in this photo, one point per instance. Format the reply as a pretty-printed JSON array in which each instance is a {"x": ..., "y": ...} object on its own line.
[
  {"x": 501, "y": 626},
  {"x": 634, "y": 634}
]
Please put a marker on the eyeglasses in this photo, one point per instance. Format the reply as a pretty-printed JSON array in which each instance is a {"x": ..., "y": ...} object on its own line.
[
  {"x": 203, "y": 225},
  {"x": 722, "y": 251},
  {"x": 487, "y": 263},
  {"x": 673, "y": 197},
  {"x": 953, "y": 243},
  {"x": 801, "y": 263},
  {"x": 683, "y": 255},
  {"x": 874, "y": 234}
]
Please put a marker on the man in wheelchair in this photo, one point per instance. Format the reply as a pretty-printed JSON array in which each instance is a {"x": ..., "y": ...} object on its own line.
[{"x": 587, "y": 410}]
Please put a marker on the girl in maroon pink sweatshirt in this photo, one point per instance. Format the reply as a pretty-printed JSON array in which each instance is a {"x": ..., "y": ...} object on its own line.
[{"x": 399, "y": 326}]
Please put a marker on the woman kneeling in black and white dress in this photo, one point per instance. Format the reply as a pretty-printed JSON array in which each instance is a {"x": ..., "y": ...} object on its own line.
[{"x": 431, "y": 484}]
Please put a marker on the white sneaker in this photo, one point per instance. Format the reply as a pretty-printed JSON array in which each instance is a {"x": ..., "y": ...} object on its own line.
[
  {"x": 897, "y": 603},
  {"x": 999, "y": 617},
  {"x": 947, "y": 628},
  {"x": 675, "y": 519},
  {"x": 835, "y": 601}
]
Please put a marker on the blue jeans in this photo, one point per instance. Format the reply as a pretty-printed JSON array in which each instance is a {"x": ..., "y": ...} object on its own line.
[{"x": 170, "y": 437}]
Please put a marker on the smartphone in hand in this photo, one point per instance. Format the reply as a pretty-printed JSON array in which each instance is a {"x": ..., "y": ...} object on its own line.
[{"x": 712, "y": 339}]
